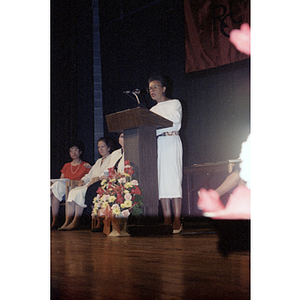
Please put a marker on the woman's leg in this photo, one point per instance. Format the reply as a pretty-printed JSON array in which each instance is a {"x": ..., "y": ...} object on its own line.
[
  {"x": 166, "y": 207},
  {"x": 70, "y": 210},
  {"x": 57, "y": 191},
  {"x": 55, "y": 209},
  {"x": 75, "y": 196},
  {"x": 176, "y": 203},
  {"x": 76, "y": 220}
]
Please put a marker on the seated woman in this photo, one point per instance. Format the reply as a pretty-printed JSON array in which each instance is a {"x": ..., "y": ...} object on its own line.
[
  {"x": 73, "y": 170},
  {"x": 116, "y": 161},
  {"x": 75, "y": 203}
]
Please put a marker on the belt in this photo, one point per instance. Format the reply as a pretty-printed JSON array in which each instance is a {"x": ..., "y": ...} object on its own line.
[{"x": 168, "y": 133}]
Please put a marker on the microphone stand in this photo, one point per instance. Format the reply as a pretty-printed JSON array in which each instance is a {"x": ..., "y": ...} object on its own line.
[{"x": 137, "y": 98}]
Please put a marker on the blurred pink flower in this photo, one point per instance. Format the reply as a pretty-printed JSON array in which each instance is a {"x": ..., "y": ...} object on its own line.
[
  {"x": 240, "y": 38},
  {"x": 209, "y": 201},
  {"x": 238, "y": 205}
]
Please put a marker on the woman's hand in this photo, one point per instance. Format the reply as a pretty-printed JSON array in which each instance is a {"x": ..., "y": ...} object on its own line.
[
  {"x": 87, "y": 165},
  {"x": 81, "y": 183},
  {"x": 90, "y": 183}
]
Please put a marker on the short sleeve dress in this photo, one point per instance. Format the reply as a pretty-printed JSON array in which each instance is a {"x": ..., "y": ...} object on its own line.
[
  {"x": 70, "y": 172},
  {"x": 169, "y": 149}
]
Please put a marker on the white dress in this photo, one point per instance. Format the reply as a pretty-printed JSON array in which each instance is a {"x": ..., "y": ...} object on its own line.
[
  {"x": 78, "y": 194},
  {"x": 114, "y": 158},
  {"x": 169, "y": 150}
]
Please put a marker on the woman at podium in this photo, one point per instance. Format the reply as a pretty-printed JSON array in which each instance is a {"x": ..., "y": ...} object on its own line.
[{"x": 169, "y": 149}]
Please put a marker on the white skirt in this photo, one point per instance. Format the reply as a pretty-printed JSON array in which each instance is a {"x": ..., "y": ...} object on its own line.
[
  {"x": 169, "y": 149},
  {"x": 78, "y": 195},
  {"x": 59, "y": 189}
]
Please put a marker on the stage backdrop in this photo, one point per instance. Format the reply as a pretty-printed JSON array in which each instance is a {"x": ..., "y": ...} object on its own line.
[{"x": 208, "y": 24}]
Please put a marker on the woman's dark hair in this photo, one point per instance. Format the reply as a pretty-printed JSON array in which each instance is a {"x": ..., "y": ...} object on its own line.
[
  {"x": 109, "y": 142},
  {"x": 159, "y": 78},
  {"x": 77, "y": 144},
  {"x": 165, "y": 82}
]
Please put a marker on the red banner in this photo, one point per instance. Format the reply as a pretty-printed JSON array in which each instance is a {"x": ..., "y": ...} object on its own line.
[{"x": 208, "y": 24}]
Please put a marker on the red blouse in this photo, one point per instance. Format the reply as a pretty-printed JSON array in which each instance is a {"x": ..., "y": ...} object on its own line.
[{"x": 74, "y": 172}]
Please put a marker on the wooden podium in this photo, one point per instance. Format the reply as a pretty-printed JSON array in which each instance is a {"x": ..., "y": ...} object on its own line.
[{"x": 140, "y": 148}]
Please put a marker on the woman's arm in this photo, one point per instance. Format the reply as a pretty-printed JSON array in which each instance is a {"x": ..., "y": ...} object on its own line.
[
  {"x": 229, "y": 183},
  {"x": 88, "y": 177},
  {"x": 175, "y": 113},
  {"x": 87, "y": 165},
  {"x": 81, "y": 183}
]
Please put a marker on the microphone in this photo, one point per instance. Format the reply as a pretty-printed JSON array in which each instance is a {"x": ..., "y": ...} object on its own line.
[{"x": 136, "y": 91}]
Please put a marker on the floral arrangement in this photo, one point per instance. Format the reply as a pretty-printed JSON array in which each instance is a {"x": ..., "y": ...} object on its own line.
[{"x": 119, "y": 195}]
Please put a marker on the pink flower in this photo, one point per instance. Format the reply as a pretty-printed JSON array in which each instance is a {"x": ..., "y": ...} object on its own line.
[
  {"x": 134, "y": 182},
  {"x": 122, "y": 180},
  {"x": 127, "y": 196},
  {"x": 240, "y": 38},
  {"x": 125, "y": 213}
]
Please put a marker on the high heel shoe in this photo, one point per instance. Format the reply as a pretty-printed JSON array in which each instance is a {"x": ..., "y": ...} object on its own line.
[{"x": 177, "y": 231}]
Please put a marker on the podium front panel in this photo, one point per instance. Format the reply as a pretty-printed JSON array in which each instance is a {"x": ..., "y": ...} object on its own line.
[{"x": 140, "y": 148}]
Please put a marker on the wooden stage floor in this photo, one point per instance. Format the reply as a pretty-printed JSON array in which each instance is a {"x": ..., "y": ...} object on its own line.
[{"x": 86, "y": 265}]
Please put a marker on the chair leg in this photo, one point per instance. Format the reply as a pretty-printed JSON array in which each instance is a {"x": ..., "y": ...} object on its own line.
[{"x": 96, "y": 222}]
